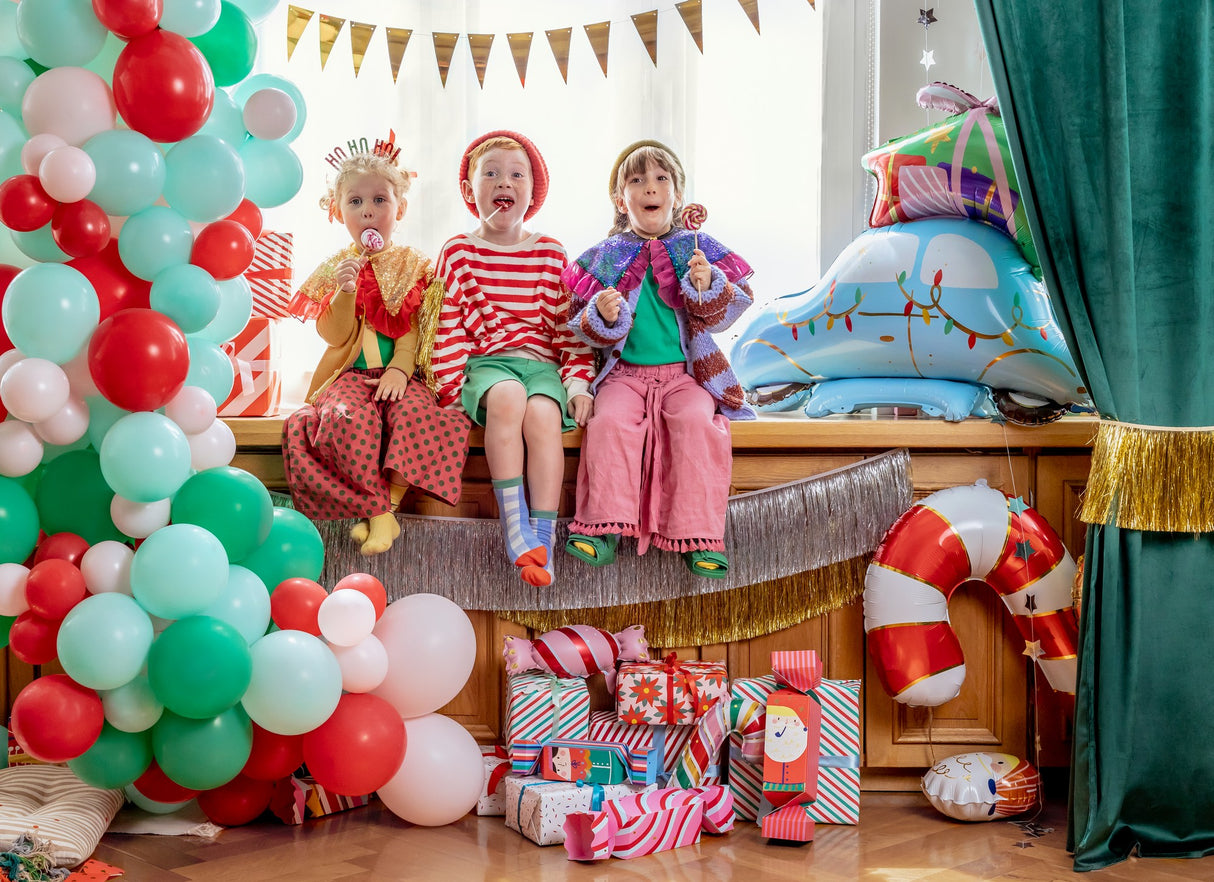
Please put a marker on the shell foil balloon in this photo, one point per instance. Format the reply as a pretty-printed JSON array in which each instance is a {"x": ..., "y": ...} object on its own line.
[{"x": 982, "y": 786}]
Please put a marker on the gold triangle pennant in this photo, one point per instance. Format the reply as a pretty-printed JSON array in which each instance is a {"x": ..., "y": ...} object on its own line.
[
  {"x": 480, "y": 44},
  {"x": 520, "y": 48},
  {"x": 813, "y": 5},
  {"x": 297, "y": 20},
  {"x": 398, "y": 41},
  {"x": 444, "y": 48},
  {"x": 646, "y": 24},
  {"x": 692, "y": 12},
  {"x": 330, "y": 27},
  {"x": 559, "y": 40},
  {"x": 752, "y": 12},
  {"x": 599, "y": 35},
  {"x": 360, "y": 37}
]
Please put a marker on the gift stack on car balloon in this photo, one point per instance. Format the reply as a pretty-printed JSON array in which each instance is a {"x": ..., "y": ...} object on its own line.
[
  {"x": 939, "y": 306},
  {"x": 650, "y": 773}
]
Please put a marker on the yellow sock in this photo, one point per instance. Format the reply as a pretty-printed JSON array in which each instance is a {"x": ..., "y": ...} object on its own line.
[{"x": 383, "y": 531}]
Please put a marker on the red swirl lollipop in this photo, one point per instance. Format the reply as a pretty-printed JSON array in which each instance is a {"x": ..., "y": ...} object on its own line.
[
  {"x": 372, "y": 240},
  {"x": 693, "y": 216}
]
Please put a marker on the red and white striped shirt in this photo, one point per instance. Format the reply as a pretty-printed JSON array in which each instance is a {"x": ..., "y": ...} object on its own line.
[{"x": 506, "y": 300}]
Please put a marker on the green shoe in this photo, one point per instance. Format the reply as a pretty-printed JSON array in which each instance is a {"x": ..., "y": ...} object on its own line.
[
  {"x": 598, "y": 551},
  {"x": 709, "y": 564}
]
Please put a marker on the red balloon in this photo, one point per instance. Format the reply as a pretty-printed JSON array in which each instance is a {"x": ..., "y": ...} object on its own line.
[
  {"x": 159, "y": 787},
  {"x": 24, "y": 205},
  {"x": 163, "y": 86},
  {"x": 61, "y": 546},
  {"x": 116, "y": 286},
  {"x": 56, "y": 719},
  {"x": 359, "y": 748},
  {"x": 238, "y": 802},
  {"x": 139, "y": 359},
  {"x": 81, "y": 228},
  {"x": 273, "y": 756},
  {"x": 248, "y": 215},
  {"x": 128, "y": 18},
  {"x": 223, "y": 248},
  {"x": 53, "y": 587},
  {"x": 366, "y": 584},
  {"x": 8, "y": 272},
  {"x": 32, "y": 638},
  {"x": 295, "y": 603}
]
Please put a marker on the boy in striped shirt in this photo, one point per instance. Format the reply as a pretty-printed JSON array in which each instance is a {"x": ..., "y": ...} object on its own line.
[{"x": 504, "y": 352}]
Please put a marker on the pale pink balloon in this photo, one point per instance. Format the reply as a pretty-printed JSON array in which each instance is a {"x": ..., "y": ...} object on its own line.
[
  {"x": 12, "y": 589},
  {"x": 67, "y": 174},
  {"x": 431, "y": 647},
  {"x": 79, "y": 376},
  {"x": 106, "y": 567},
  {"x": 192, "y": 409},
  {"x": 139, "y": 519},
  {"x": 345, "y": 617},
  {"x": 36, "y": 148},
  {"x": 33, "y": 389},
  {"x": 269, "y": 114},
  {"x": 442, "y": 774},
  {"x": 363, "y": 665},
  {"x": 20, "y": 450},
  {"x": 70, "y": 102},
  {"x": 215, "y": 446},
  {"x": 8, "y": 359},
  {"x": 66, "y": 425}
]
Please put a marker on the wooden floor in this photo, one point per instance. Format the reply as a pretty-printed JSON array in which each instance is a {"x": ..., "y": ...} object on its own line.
[{"x": 900, "y": 837}]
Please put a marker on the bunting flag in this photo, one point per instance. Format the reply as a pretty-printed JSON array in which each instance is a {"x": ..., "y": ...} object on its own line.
[
  {"x": 360, "y": 37},
  {"x": 559, "y": 40},
  {"x": 646, "y": 24},
  {"x": 444, "y": 48},
  {"x": 398, "y": 41},
  {"x": 520, "y": 50},
  {"x": 692, "y": 13},
  {"x": 480, "y": 44},
  {"x": 600, "y": 35},
  {"x": 752, "y": 12},
  {"x": 297, "y": 21},
  {"x": 330, "y": 27}
]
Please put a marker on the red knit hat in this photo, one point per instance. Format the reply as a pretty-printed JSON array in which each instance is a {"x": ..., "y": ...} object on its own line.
[{"x": 539, "y": 170}]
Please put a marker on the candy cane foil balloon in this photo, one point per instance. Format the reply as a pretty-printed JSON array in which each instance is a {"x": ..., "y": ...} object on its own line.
[{"x": 943, "y": 541}]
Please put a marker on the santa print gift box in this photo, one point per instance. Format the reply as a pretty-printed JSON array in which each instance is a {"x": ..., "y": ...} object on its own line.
[{"x": 669, "y": 692}]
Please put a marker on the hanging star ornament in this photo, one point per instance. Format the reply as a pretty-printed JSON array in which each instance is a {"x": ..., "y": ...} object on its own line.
[
  {"x": 928, "y": 59},
  {"x": 1017, "y": 505},
  {"x": 1032, "y": 648},
  {"x": 1024, "y": 550},
  {"x": 926, "y": 18},
  {"x": 1030, "y": 603}
]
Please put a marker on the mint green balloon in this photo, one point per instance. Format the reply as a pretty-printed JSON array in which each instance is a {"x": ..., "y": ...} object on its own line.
[
  {"x": 292, "y": 548},
  {"x": 235, "y": 307},
  {"x": 103, "y": 413},
  {"x": 50, "y": 311},
  {"x": 73, "y": 497},
  {"x": 12, "y": 138},
  {"x": 132, "y": 707},
  {"x": 115, "y": 760},
  {"x": 231, "y": 503},
  {"x": 9, "y": 43},
  {"x": 103, "y": 64},
  {"x": 39, "y": 245},
  {"x": 145, "y": 457},
  {"x": 210, "y": 368},
  {"x": 205, "y": 180},
  {"x": 244, "y": 604},
  {"x": 296, "y": 683},
  {"x": 199, "y": 666},
  {"x": 203, "y": 754},
  {"x": 230, "y": 47},
  {"x": 154, "y": 240},
  {"x": 187, "y": 294},
  {"x": 15, "y": 78},
  {"x": 256, "y": 10},
  {"x": 18, "y": 522},
  {"x": 178, "y": 571},
  {"x": 130, "y": 171},
  {"x": 57, "y": 33},
  {"x": 190, "y": 18},
  {"x": 273, "y": 173},
  {"x": 104, "y": 640},
  {"x": 226, "y": 121}
]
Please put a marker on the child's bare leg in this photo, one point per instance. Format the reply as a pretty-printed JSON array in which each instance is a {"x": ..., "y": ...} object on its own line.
[
  {"x": 383, "y": 528},
  {"x": 545, "y": 473},
  {"x": 505, "y": 407}
]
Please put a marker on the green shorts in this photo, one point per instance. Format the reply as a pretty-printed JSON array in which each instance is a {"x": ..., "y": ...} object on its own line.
[{"x": 538, "y": 378}]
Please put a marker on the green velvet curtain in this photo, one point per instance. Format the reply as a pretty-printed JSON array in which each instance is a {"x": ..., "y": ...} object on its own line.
[{"x": 1110, "y": 111}]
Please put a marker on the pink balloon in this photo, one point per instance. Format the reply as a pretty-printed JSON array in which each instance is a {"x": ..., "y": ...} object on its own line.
[
  {"x": 363, "y": 665},
  {"x": 214, "y": 446},
  {"x": 431, "y": 648},
  {"x": 36, "y": 148},
  {"x": 440, "y": 780},
  {"x": 66, "y": 425},
  {"x": 269, "y": 114},
  {"x": 70, "y": 102},
  {"x": 192, "y": 409},
  {"x": 33, "y": 389},
  {"x": 20, "y": 451},
  {"x": 68, "y": 174}
]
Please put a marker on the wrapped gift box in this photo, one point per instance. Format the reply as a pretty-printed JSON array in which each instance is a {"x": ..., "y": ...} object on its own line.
[
  {"x": 646, "y": 823},
  {"x": 257, "y": 384},
  {"x": 670, "y": 692},
  {"x": 790, "y": 755},
  {"x": 595, "y": 762},
  {"x": 269, "y": 274},
  {"x": 497, "y": 766},
  {"x": 667, "y": 741},
  {"x": 298, "y": 799},
  {"x": 537, "y": 808},
  {"x": 540, "y": 706}
]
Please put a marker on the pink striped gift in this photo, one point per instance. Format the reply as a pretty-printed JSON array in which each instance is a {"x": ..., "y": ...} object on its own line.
[
  {"x": 269, "y": 274},
  {"x": 668, "y": 740},
  {"x": 791, "y": 823},
  {"x": 647, "y": 823},
  {"x": 257, "y": 382}
]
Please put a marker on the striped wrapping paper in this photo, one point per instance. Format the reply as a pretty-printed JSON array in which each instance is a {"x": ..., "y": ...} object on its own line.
[
  {"x": 696, "y": 764},
  {"x": 647, "y": 823},
  {"x": 791, "y": 823},
  {"x": 257, "y": 382},
  {"x": 269, "y": 275},
  {"x": 636, "y": 764},
  {"x": 838, "y": 799},
  {"x": 497, "y": 765},
  {"x": 540, "y": 706},
  {"x": 668, "y": 740}
]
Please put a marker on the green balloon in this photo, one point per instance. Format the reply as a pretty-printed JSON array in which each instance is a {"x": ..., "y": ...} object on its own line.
[
  {"x": 18, "y": 522},
  {"x": 292, "y": 549},
  {"x": 6, "y": 625},
  {"x": 230, "y": 503},
  {"x": 199, "y": 666},
  {"x": 203, "y": 754},
  {"x": 115, "y": 760},
  {"x": 230, "y": 47},
  {"x": 73, "y": 497}
]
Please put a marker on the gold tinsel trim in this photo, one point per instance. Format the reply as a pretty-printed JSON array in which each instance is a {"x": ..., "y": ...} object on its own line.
[
  {"x": 1151, "y": 478},
  {"x": 739, "y": 614},
  {"x": 427, "y": 331}
]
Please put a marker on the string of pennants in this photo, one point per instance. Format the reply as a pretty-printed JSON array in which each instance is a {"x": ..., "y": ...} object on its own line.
[{"x": 445, "y": 43}]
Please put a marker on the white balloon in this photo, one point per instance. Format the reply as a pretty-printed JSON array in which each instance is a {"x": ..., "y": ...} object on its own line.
[
  {"x": 139, "y": 519},
  {"x": 363, "y": 665},
  {"x": 20, "y": 449},
  {"x": 346, "y": 617},
  {"x": 12, "y": 589},
  {"x": 67, "y": 174},
  {"x": 67, "y": 424},
  {"x": 33, "y": 389},
  {"x": 132, "y": 707},
  {"x": 8, "y": 359},
  {"x": 106, "y": 566},
  {"x": 441, "y": 777},
  {"x": 269, "y": 114},
  {"x": 36, "y": 148},
  {"x": 193, "y": 409},
  {"x": 213, "y": 447}
]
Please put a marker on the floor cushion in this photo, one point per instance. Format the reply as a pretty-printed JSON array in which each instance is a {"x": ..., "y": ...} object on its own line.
[{"x": 49, "y": 803}]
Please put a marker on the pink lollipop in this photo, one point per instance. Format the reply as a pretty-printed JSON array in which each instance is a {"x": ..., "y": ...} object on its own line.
[{"x": 372, "y": 240}]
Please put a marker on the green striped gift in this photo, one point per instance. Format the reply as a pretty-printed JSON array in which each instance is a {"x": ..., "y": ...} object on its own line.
[{"x": 540, "y": 707}]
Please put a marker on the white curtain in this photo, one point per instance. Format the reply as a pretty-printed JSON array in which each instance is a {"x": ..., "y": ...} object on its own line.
[{"x": 745, "y": 117}]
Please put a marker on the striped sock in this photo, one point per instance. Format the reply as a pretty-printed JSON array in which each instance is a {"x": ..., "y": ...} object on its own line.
[
  {"x": 543, "y": 524},
  {"x": 522, "y": 546}
]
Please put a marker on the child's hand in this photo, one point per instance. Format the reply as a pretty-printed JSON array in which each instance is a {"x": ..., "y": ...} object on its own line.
[
  {"x": 347, "y": 273},
  {"x": 699, "y": 271},
  {"x": 390, "y": 386},
  {"x": 580, "y": 408},
  {"x": 608, "y": 304}
]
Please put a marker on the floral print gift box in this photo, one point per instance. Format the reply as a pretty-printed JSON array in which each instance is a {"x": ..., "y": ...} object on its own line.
[{"x": 670, "y": 692}]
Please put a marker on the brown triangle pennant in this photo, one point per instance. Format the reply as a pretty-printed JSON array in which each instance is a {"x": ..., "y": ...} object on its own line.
[
  {"x": 646, "y": 24},
  {"x": 480, "y": 44},
  {"x": 330, "y": 27},
  {"x": 692, "y": 12},
  {"x": 398, "y": 41},
  {"x": 360, "y": 37},
  {"x": 520, "y": 48},
  {"x": 559, "y": 40},
  {"x": 599, "y": 34},
  {"x": 752, "y": 12},
  {"x": 297, "y": 20},
  {"x": 444, "y": 48}
]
